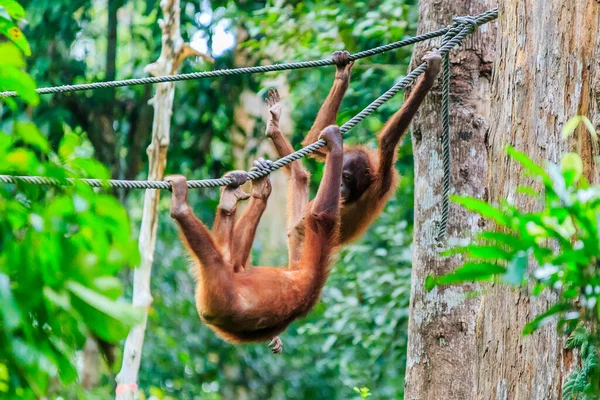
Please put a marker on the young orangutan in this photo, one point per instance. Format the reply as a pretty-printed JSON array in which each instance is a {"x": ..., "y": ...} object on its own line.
[
  {"x": 254, "y": 304},
  {"x": 369, "y": 177}
]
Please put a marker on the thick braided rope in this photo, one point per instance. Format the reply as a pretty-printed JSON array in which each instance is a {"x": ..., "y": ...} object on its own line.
[
  {"x": 445, "y": 145},
  {"x": 480, "y": 19},
  {"x": 255, "y": 174},
  {"x": 460, "y": 30},
  {"x": 229, "y": 72},
  {"x": 462, "y": 27},
  {"x": 463, "y": 30}
]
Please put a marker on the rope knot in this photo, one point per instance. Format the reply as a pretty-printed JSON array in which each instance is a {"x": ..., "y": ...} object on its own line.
[{"x": 466, "y": 21}]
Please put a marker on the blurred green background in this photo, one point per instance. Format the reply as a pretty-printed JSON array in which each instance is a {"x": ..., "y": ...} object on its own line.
[{"x": 62, "y": 250}]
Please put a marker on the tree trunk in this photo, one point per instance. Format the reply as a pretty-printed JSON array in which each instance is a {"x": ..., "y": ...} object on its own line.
[
  {"x": 170, "y": 58},
  {"x": 547, "y": 70},
  {"x": 101, "y": 119},
  {"x": 139, "y": 126},
  {"x": 90, "y": 373},
  {"x": 441, "y": 329}
]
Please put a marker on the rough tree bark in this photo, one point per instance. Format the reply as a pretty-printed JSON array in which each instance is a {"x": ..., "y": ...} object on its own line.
[
  {"x": 90, "y": 373},
  {"x": 173, "y": 52},
  {"x": 102, "y": 116},
  {"x": 547, "y": 70},
  {"x": 441, "y": 345}
]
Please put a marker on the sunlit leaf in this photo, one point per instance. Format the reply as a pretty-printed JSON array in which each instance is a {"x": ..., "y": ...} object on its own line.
[
  {"x": 120, "y": 311},
  {"x": 11, "y": 55},
  {"x": 469, "y": 272},
  {"x": 501, "y": 238},
  {"x": 572, "y": 167},
  {"x": 20, "y": 160},
  {"x": 574, "y": 122},
  {"x": 62, "y": 359},
  {"x": 9, "y": 29},
  {"x": 570, "y": 126},
  {"x": 481, "y": 207},
  {"x": 12, "y": 78},
  {"x": 90, "y": 168},
  {"x": 526, "y": 162},
  {"x": 14, "y": 9},
  {"x": 67, "y": 145},
  {"x": 58, "y": 299},
  {"x": 590, "y": 127},
  {"x": 30, "y": 134},
  {"x": 527, "y": 190},
  {"x": 539, "y": 319},
  {"x": 109, "y": 286},
  {"x": 480, "y": 251}
]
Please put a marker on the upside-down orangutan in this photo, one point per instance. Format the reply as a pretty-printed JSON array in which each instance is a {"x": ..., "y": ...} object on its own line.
[
  {"x": 369, "y": 177},
  {"x": 255, "y": 304}
]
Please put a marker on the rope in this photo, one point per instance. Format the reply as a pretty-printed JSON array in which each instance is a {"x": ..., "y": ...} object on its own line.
[
  {"x": 453, "y": 36},
  {"x": 472, "y": 21},
  {"x": 445, "y": 142}
]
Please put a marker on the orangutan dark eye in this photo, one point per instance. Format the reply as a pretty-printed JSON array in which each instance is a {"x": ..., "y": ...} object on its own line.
[{"x": 347, "y": 176}]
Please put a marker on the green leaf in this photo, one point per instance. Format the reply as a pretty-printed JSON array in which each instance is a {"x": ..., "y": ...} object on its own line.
[
  {"x": 471, "y": 272},
  {"x": 534, "y": 324},
  {"x": 528, "y": 191},
  {"x": 109, "y": 286},
  {"x": 20, "y": 160},
  {"x": 11, "y": 316},
  {"x": 30, "y": 134},
  {"x": 572, "y": 167},
  {"x": 14, "y": 9},
  {"x": 481, "y": 207},
  {"x": 488, "y": 253},
  {"x": 503, "y": 238},
  {"x": 68, "y": 144},
  {"x": 590, "y": 127},
  {"x": 570, "y": 126},
  {"x": 480, "y": 251},
  {"x": 62, "y": 358},
  {"x": 526, "y": 162},
  {"x": 9, "y": 29},
  {"x": 574, "y": 122},
  {"x": 516, "y": 269},
  {"x": 89, "y": 167},
  {"x": 12, "y": 78},
  {"x": 123, "y": 315},
  {"x": 11, "y": 55},
  {"x": 430, "y": 282},
  {"x": 58, "y": 299}
]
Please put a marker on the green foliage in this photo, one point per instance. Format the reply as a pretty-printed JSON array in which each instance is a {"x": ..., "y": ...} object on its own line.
[
  {"x": 574, "y": 122},
  {"x": 357, "y": 334},
  {"x": 363, "y": 392},
  {"x": 580, "y": 384},
  {"x": 561, "y": 244},
  {"x": 60, "y": 251},
  {"x": 12, "y": 13},
  {"x": 12, "y": 76}
]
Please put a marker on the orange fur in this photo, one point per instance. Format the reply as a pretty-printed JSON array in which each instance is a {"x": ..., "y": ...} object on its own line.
[
  {"x": 357, "y": 215},
  {"x": 258, "y": 303}
]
